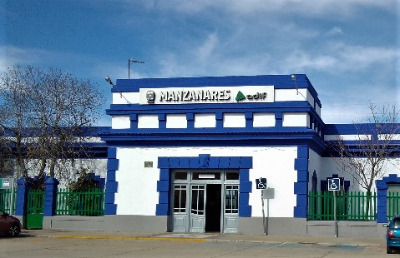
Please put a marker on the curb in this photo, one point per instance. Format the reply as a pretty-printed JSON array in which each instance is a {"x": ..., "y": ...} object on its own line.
[{"x": 204, "y": 238}]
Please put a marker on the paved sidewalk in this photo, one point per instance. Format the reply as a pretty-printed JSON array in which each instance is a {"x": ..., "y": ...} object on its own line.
[{"x": 197, "y": 237}]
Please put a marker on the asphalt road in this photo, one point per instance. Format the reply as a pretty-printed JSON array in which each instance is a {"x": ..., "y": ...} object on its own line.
[{"x": 58, "y": 245}]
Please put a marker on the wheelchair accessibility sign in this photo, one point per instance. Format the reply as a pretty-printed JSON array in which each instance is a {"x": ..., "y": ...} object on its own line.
[
  {"x": 334, "y": 184},
  {"x": 261, "y": 183}
]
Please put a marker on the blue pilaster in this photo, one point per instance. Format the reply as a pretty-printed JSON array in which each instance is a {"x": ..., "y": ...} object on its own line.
[
  {"x": 244, "y": 193},
  {"x": 21, "y": 197},
  {"x": 301, "y": 186},
  {"x": 111, "y": 185},
  {"x": 382, "y": 191},
  {"x": 50, "y": 196}
]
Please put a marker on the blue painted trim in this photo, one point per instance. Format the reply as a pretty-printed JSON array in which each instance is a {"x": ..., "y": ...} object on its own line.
[
  {"x": 284, "y": 106},
  {"x": 382, "y": 187},
  {"x": 50, "y": 196},
  {"x": 112, "y": 153},
  {"x": 22, "y": 190},
  {"x": 301, "y": 186},
  {"x": 203, "y": 161},
  {"x": 112, "y": 184},
  {"x": 112, "y": 164}
]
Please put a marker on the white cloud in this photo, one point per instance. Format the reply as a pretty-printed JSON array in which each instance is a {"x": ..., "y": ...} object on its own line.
[
  {"x": 336, "y": 30},
  {"x": 205, "y": 51},
  {"x": 341, "y": 58},
  {"x": 11, "y": 56},
  {"x": 250, "y": 7}
]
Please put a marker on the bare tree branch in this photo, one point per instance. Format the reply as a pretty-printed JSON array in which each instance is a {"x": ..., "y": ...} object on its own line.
[{"x": 57, "y": 106}]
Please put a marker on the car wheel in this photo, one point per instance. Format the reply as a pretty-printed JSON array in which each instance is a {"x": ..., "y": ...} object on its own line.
[
  {"x": 14, "y": 231},
  {"x": 389, "y": 250}
]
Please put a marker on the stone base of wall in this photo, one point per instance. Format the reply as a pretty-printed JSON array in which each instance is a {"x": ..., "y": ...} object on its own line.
[
  {"x": 359, "y": 229},
  {"x": 274, "y": 226},
  {"x": 148, "y": 224}
]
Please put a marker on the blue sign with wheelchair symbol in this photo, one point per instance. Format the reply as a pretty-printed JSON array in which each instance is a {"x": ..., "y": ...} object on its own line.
[{"x": 334, "y": 184}]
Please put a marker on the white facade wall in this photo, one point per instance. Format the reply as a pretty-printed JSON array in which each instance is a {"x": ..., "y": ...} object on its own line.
[
  {"x": 148, "y": 121},
  {"x": 294, "y": 95},
  {"x": 392, "y": 166},
  {"x": 347, "y": 137},
  {"x": 67, "y": 171},
  {"x": 120, "y": 122},
  {"x": 137, "y": 186},
  {"x": 176, "y": 121},
  {"x": 314, "y": 164},
  {"x": 234, "y": 120},
  {"x": 204, "y": 121},
  {"x": 126, "y": 98},
  {"x": 264, "y": 120},
  {"x": 296, "y": 120}
]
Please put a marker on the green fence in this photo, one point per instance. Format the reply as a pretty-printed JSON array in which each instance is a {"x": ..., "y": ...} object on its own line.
[
  {"x": 88, "y": 203},
  {"x": 349, "y": 206},
  {"x": 393, "y": 204},
  {"x": 8, "y": 200}
]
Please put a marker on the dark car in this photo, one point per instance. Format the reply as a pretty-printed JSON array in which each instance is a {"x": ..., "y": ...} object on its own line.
[
  {"x": 393, "y": 234},
  {"x": 9, "y": 225}
]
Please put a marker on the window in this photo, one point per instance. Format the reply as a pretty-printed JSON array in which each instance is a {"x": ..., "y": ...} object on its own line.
[
  {"x": 231, "y": 199},
  {"x": 180, "y": 175},
  {"x": 180, "y": 198},
  {"x": 198, "y": 199},
  {"x": 232, "y": 175}
]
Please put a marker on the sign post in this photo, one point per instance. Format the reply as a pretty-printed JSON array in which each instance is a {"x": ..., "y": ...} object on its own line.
[
  {"x": 334, "y": 186},
  {"x": 261, "y": 183}
]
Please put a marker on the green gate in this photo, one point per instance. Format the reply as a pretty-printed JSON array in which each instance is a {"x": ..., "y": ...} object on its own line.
[
  {"x": 8, "y": 200},
  {"x": 34, "y": 209}
]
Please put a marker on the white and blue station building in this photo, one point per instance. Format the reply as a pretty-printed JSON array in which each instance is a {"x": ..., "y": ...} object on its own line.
[{"x": 184, "y": 154}]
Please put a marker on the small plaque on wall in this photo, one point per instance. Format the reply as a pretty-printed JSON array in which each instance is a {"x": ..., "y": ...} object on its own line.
[{"x": 148, "y": 164}]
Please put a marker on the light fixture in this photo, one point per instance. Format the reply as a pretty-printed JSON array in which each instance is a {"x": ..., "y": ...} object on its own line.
[
  {"x": 293, "y": 77},
  {"x": 108, "y": 79}
]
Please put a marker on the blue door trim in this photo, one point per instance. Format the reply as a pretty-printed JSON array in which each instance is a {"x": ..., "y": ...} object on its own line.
[{"x": 204, "y": 161}]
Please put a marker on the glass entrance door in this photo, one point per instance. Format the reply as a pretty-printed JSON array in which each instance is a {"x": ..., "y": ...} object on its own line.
[
  {"x": 231, "y": 209},
  {"x": 205, "y": 201},
  {"x": 197, "y": 212},
  {"x": 180, "y": 217}
]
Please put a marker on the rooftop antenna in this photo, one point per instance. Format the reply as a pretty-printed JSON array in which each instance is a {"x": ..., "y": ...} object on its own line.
[{"x": 132, "y": 60}]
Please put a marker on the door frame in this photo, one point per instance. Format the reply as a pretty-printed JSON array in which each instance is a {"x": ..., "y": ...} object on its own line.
[{"x": 185, "y": 220}]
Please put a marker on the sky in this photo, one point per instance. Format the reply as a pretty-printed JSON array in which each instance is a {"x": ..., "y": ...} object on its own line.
[{"x": 350, "y": 49}]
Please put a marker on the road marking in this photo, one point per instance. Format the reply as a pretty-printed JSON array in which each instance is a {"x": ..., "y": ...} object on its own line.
[{"x": 170, "y": 239}]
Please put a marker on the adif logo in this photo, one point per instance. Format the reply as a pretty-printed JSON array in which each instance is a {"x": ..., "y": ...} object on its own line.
[
  {"x": 150, "y": 96},
  {"x": 240, "y": 96},
  {"x": 258, "y": 96}
]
